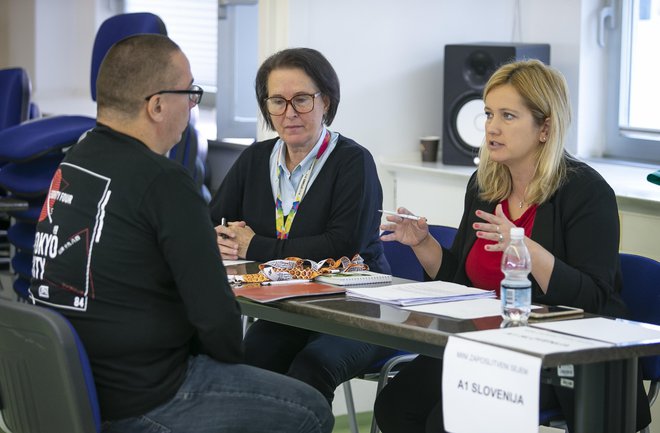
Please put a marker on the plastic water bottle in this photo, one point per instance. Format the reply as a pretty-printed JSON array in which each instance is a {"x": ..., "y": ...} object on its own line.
[{"x": 516, "y": 288}]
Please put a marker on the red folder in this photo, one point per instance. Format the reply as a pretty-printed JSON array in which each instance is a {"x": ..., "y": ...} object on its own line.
[{"x": 263, "y": 294}]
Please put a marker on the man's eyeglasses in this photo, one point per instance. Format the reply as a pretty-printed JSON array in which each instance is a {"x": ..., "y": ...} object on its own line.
[
  {"x": 302, "y": 104},
  {"x": 194, "y": 93}
]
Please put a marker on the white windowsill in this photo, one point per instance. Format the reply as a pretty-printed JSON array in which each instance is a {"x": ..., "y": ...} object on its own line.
[{"x": 627, "y": 180}]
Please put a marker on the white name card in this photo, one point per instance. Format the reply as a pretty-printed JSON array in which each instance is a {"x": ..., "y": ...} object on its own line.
[{"x": 489, "y": 389}]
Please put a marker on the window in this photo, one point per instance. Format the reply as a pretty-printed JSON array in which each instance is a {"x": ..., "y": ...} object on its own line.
[
  {"x": 633, "y": 123},
  {"x": 221, "y": 44},
  {"x": 194, "y": 27}
]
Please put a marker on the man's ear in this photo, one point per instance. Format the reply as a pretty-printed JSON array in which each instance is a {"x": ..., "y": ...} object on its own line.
[{"x": 155, "y": 107}]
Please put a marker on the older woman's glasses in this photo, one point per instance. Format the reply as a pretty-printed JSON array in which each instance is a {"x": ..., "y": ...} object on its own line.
[
  {"x": 302, "y": 104},
  {"x": 195, "y": 93}
]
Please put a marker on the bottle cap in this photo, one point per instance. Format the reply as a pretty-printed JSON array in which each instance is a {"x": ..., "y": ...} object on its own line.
[{"x": 517, "y": 232}]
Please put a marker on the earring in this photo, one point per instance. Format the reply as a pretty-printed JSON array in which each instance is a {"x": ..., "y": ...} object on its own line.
[{"x": 543, "y": 139}]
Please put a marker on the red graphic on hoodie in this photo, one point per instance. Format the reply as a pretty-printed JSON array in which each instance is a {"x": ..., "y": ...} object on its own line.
[{"x": 53, "y": 192}]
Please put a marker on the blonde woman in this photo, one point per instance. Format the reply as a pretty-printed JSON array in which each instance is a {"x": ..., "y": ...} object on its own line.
[{"x": 525, "y": 179}]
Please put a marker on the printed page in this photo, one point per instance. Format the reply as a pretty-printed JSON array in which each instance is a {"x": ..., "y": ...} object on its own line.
[
  {"x": 533, "y": 339},
  {"x": 616, "y": 331}
]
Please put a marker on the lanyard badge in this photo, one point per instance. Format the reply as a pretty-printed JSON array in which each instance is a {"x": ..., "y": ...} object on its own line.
[{"x": 282, "y": 224}]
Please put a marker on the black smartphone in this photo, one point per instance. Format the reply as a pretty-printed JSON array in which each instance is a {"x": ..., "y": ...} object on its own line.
[{"x": 551, "y": 311}]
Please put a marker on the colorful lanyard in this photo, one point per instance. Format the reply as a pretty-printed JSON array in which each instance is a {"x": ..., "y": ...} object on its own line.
[{"x": 282, "y": 225}]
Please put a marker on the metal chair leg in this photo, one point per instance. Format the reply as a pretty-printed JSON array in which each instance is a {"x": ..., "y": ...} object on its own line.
[{"x": 350, "y": 408}]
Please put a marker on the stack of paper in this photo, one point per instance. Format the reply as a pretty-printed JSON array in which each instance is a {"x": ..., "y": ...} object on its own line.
[{"x": 420, "y": 293}]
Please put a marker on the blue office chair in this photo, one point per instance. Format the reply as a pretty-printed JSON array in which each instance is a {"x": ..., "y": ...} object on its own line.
[
  {"x": 46, "y": 383},
  {"x": 15, "y": 108},
  {"x": 402, "y": 260},
  {"x": 641, "y": 295},
  {"x": 117, "y": 28},
  {"x": 404, "y": 264},
  {"x": 14, "y": 97},
  {"x": 190, "y": 151}
]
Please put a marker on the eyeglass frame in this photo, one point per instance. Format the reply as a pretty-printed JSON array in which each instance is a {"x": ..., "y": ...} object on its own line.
[
  {"x": 290, "y": 102},
  {"x": 194, "y": 90}
]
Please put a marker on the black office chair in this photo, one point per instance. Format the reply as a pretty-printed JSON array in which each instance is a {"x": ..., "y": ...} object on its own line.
[
  {"x": 404, "y": 264},
  {"x": 46, "y": 383}
]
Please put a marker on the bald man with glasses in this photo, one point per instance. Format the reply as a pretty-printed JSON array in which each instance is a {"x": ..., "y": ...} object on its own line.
[{"x": 126, "y": 250}]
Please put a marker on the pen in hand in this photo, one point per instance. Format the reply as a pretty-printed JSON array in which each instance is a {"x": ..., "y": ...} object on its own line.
[
  {"x": 401, "y": 215},
  {"x": 223, "y": 222}
]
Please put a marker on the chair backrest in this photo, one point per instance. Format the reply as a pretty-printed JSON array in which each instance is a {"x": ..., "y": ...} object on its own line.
[
  {"x": 641, "y": 293},
  {"x": 45, "y": 379},
  {"x": 403, "y": 261},
  {"x": 190, "y": 151},
  {"x": 14, "y": 97},
  {"x": 117, "y": 28},
  {"x": 222, "y": 156}
]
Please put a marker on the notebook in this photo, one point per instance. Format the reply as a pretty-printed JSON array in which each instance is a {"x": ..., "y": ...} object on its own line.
[{"x": 354, "y": 278}]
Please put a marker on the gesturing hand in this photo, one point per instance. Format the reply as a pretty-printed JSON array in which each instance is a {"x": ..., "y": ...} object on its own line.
[{"x": 496, "y": 228}]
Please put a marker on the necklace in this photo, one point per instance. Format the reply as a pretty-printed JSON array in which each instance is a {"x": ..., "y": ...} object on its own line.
[{"x": 522, "y": 203}]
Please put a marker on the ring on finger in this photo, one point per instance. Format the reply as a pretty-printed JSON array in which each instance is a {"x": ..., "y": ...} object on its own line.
[{"x": 501, "y": 238}]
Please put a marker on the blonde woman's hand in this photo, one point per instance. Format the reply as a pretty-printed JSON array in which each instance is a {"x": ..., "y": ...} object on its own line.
[
  {"x": 496, "y": 227},
  {"x": 407, "y": 231}
]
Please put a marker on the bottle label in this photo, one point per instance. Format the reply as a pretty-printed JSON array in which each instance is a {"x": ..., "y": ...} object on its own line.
[{"x": 516, "y": 300}]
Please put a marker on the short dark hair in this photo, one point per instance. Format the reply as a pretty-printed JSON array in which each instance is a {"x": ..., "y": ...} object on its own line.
[
  {"x": 310, "y": 61},
  {"x": 133, "y": 68}
]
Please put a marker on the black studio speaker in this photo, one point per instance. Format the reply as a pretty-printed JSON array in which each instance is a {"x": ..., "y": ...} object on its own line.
[{"x": 467, "y": 69}]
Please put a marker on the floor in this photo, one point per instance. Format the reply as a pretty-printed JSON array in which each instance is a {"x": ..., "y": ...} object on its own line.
[{"x": 363, "y": 420}]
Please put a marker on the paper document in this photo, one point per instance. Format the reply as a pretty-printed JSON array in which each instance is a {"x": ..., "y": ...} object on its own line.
[
  {"x": 470, "y": 309},
  {"x": 501, "y": 386},
  {"x": 534, "y": 340},
  {"x": 419, "y": 293},
  {"x": 598, "y": 328}
]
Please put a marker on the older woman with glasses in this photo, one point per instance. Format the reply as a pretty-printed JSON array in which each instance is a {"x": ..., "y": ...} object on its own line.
[{"x": 310, "y": 193}]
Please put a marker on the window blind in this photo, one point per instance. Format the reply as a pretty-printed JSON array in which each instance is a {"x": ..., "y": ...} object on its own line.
[{"x": 193, "y": 25}]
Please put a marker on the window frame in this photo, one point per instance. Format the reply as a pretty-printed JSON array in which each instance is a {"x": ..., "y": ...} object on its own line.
[{"x": 623, "y": 142}]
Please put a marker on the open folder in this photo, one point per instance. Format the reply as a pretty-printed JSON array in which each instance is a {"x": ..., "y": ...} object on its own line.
[{"x": 419, "y": 293}]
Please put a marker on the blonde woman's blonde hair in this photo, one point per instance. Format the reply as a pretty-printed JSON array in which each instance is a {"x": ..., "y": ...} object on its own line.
[{"x": 544, "y": 91}]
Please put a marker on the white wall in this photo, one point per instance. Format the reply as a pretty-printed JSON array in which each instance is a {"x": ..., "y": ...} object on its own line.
[
  {"x": 53, "y": 40},
  {"x": 389, "y": 55}
]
